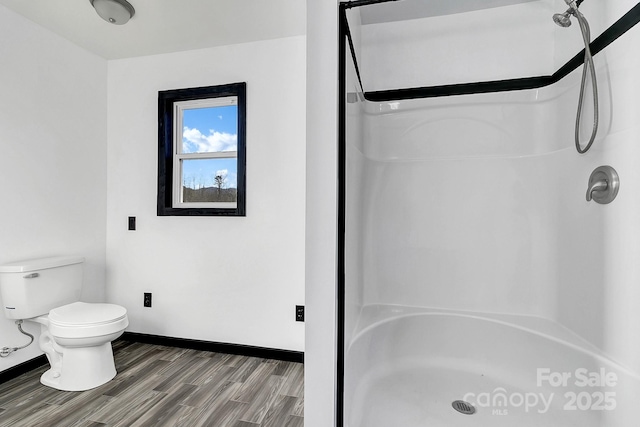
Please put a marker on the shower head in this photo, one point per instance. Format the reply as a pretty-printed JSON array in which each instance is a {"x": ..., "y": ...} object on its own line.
[{"x": 563, "y": 19}]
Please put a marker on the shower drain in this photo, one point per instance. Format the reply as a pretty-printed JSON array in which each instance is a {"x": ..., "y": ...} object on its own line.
[{"x": 463, "y": 407}]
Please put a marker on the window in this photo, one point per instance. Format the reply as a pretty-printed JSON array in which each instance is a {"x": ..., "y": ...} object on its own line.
[{"x": 201, "y": 151}]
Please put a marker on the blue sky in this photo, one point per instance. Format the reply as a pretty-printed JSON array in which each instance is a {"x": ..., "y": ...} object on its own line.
[{"x": 205, "y": 130}]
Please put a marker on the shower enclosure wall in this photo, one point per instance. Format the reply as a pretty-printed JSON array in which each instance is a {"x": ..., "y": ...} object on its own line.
[{"x": 472, "y": 265}]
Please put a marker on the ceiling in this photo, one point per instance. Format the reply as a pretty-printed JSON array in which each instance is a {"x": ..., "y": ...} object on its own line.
[{"x": 163, "y": 26}]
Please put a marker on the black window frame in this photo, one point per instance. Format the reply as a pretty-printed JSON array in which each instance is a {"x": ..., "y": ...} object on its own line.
[{"x": 166, "y": 101}]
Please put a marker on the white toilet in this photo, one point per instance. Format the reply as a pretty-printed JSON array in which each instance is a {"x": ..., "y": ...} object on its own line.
[{"x": 75, "y": 336}]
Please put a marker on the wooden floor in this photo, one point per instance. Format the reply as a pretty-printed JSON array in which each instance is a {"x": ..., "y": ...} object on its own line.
[{"x": 165, "y": 386}]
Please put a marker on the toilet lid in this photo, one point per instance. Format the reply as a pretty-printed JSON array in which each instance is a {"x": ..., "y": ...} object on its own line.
[{"x": 81, "y": 313}]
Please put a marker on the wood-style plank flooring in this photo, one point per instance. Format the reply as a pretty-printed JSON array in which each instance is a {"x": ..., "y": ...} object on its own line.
[{"x": 165, "y": 386}]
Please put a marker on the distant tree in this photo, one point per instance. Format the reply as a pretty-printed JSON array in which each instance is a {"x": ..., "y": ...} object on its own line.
[{"x": 219, "y": 182}]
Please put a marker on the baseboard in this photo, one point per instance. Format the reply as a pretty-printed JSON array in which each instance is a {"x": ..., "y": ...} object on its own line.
[
  {"x": 218, "y": 347},
  {"x": 22, "y": 368}
]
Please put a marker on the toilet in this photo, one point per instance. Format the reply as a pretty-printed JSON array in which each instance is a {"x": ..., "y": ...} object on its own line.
[{"x": 75, "y": 336}]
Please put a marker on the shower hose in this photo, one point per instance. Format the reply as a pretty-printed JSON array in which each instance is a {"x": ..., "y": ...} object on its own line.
[{"x": 588, "y": 64}]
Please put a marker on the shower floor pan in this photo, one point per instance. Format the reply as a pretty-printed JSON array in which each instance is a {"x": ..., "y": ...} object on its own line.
[{"x": 408, "y": 371}]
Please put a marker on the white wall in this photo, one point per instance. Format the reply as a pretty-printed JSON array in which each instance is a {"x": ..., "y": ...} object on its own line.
[
  {"x": 227, "y": 279},
  {"x": 482, "y": 45},
  {"x": 321, "y": 208},
  {"x": 53, "y": 130}
]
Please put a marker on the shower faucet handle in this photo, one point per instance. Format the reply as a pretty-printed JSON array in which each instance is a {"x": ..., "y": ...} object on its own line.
[
  {"x": 596, "y": 186},
  {"x": 603, "y": 186}
]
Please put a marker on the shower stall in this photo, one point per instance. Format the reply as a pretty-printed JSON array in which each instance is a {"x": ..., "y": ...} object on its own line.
[{"x": 483, "y": 278}]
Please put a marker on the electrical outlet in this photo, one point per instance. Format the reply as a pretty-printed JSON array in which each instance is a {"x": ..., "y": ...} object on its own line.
[
  {"x": 147, "y": 299},
  {"x": 299, "y": 313},
  {"x": 132, "y": 223}
]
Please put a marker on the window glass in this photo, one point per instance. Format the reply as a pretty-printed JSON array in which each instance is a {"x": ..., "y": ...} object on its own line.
[
  {"x": 211, "y": 129},
  {"x": 209, "y": 180}
]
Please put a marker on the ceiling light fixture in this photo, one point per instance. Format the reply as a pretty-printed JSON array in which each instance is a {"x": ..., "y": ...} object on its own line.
[{"x": 114, "y": 11}]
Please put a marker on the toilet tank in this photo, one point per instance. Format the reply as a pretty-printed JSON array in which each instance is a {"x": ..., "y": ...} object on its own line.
[{"x": 31, "y": 288}]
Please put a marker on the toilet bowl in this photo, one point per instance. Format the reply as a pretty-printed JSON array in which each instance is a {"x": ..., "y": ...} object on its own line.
[
  {"x": 76, "y": 339},
  {"x": 75, "y": 336}
]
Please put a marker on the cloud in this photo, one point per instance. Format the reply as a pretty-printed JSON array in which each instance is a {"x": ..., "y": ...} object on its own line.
[
  {"x": 194, "y": 141},
  {"x": 223, "y": 173}
]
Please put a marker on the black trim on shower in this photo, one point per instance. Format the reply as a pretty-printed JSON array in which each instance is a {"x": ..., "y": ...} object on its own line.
[
  {"x": 458, "y": 89},
  {"x": 344, "y": 23},
  {"x": 621, "y": 26},
  {"x": 343, "y": 32},
  {"x": 358, "y": 3}
]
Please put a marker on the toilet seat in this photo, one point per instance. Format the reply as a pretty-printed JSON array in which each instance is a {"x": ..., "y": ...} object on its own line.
[{"x": 82, "y": 320}]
